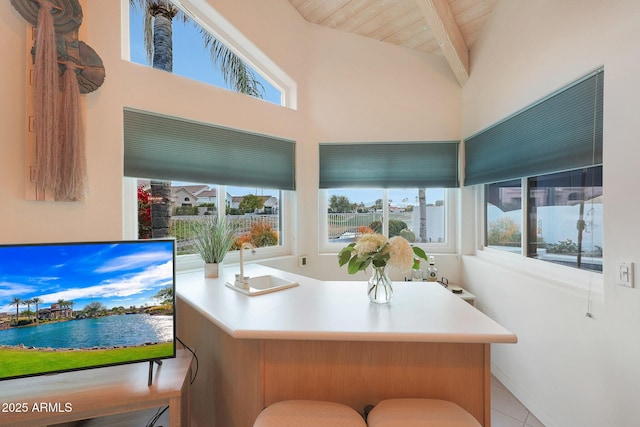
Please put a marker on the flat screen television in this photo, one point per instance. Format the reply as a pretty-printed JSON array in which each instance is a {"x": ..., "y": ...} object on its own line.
[{"x": 72, "y": 306}]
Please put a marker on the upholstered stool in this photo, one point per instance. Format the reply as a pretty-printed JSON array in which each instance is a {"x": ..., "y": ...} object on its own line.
[
  {"x": 419, "y": 413},
  {"x": 308, "y": 413}
]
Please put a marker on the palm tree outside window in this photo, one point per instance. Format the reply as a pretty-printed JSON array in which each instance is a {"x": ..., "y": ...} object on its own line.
[{"x": 158, "y": 16}]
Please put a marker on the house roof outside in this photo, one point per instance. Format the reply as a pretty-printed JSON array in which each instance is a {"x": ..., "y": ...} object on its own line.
[
  {"x": 193, "y": 189},
  {"x": 207, "y": 194}
]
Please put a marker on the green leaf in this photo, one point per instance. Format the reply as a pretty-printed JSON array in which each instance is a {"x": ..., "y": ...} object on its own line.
[
  {"x": 420, "y": 253},
  {"x": 380, "y": 262},
  {"x": 345, "y": 254},
  {"x": 343, "y": 257},
  {"x": 354, "y": 265}
]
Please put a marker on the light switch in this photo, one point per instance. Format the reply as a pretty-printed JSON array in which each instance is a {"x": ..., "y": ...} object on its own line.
[{"x": 625, "y": 274}]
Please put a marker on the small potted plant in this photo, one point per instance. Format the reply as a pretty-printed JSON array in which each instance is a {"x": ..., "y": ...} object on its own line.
[{"x": 213, "y": 238}]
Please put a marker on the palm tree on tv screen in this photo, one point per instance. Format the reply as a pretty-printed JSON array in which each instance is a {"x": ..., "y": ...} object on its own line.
[
  {"x": 36, "y": 301},
  {"x": 17, "y": 302},
  {"x": 158, "y": 20},
  {"x": 28, "y": 302}
]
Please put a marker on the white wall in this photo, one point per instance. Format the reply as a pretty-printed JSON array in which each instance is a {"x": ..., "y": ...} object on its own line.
[{"x": 569, "y": 369}]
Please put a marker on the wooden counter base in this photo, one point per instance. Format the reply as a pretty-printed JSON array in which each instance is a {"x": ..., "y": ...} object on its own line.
[
  {"x": 239, "y": 377},
  {"x": 362, "y": 373}
]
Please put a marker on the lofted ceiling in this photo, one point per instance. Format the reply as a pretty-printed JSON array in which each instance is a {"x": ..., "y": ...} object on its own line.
[{"x": 444, "y": 27}]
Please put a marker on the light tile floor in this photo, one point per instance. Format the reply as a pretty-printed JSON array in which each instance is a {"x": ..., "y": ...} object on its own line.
[{"x": 507, "y": 411}]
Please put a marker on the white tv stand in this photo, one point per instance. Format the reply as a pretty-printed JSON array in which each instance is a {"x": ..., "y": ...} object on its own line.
[{"x": 53, "y": 399}]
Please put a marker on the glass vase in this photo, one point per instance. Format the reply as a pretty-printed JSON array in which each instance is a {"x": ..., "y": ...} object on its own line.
[{"x": 379, "y": 287}]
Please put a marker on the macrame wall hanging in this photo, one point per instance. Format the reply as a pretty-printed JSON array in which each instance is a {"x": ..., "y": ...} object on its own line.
[{"x": 63, "y": 68}]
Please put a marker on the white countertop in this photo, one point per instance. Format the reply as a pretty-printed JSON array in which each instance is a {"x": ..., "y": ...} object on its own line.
[{"x": 317, "y": 310}]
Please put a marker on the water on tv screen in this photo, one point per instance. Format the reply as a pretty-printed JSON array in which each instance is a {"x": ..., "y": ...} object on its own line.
[{"x": 73, "y": 306}]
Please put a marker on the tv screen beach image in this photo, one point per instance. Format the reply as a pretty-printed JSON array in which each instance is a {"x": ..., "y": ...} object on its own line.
[{"x": 81, "y": 305}]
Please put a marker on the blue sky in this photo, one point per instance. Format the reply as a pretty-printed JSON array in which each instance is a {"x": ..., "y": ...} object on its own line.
[
  {"x": 190, "y": 58},
  {"x": 114, "y": 274}
]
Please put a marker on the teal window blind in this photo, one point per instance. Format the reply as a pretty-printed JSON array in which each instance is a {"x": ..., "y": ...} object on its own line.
[
  {"x": 560, "y": 132},
  {"x": 389, "y": 165},
  {"x": 169, "y": 148}
]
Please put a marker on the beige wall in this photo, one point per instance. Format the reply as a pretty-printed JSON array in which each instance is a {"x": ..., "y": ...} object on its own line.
[
  {"x": 570, "y": 369},
  {"x": 26, "y": 221}
]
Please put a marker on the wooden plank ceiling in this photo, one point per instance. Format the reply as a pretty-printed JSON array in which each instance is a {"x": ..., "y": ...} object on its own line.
[{"x": 443, "y": 27}]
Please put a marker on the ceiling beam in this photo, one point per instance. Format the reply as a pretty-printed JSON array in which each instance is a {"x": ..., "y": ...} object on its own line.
[{"x": 446, "y": 31}]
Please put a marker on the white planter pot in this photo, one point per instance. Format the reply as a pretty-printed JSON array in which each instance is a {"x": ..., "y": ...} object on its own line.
[{"x": 212, "y": 270}]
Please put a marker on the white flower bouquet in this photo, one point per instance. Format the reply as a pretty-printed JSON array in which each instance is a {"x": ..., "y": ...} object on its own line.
[{"x": 375, "y": 249}]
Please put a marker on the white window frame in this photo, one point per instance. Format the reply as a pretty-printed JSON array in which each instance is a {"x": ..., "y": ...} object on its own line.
[{"x": 449, "y": 246}]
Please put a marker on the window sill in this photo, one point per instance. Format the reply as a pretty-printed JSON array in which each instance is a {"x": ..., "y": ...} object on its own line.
[{"x": 194, "y": 262}]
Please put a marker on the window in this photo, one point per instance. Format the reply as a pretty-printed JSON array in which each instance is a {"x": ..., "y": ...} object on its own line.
[
  {"x": 564, "y": 217},
  {"x": 255, "y": 213},
  {"x": 191, "y": 52},
  {"x": 351, "y": 213},
  {"x": 419, "y": 215},
  {"x": 169, "y": 153},
  {"x": 394, "y": 188},
  {"x": 503, "y": 216},
  {"x": 542, "y": 175},
  {"x": 421, "y": 210}
]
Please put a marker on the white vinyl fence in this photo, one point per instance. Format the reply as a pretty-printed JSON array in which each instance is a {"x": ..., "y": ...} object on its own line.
[{"x": 183, "y": 230}]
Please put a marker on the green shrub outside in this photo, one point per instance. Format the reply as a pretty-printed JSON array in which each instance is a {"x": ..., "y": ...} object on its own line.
[{"x": 395, "y": 227}]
